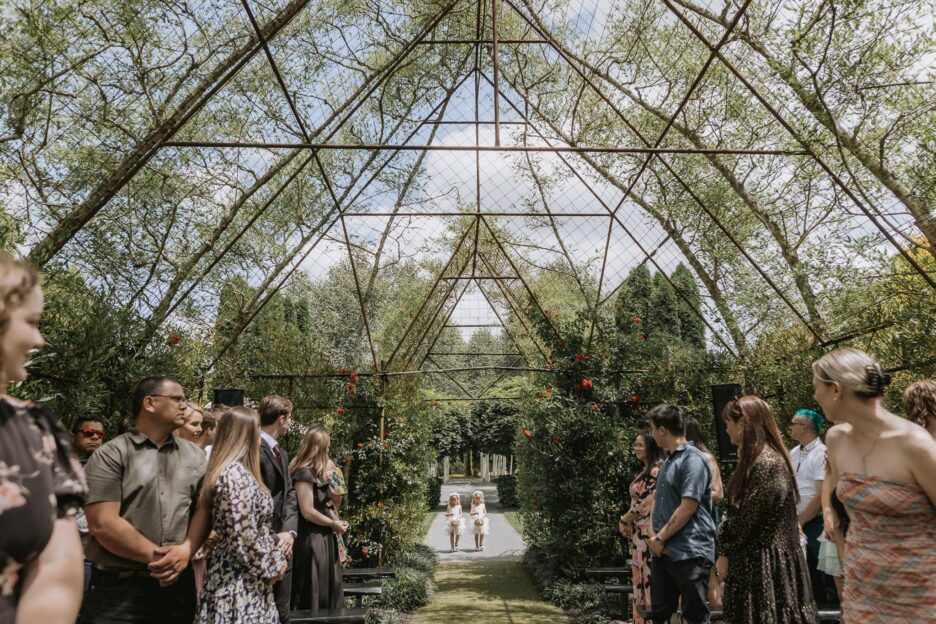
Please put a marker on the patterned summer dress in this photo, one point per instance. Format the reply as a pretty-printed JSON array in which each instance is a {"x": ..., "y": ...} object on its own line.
[
  {"x": 40, "y": 481},
  {"x": 642, "y": 490},
  {"x": 238, "y": 584},
  {"x": 890, "y": 557},
  {"x": 768, "y": 581}
]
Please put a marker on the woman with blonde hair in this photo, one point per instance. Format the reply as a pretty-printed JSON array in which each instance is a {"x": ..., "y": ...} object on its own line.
[
  {"x": 882, "y": 468},
  {"x": 245, "y": 562},
  {"x": 919, "y": 402},
  {"x": 316, "y": 581},
  {"x": 193, "y": 428},
  {"x": 41, "y": 482}
]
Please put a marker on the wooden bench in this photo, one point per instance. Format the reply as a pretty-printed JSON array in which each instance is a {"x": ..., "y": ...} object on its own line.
[
  {"x": 359, "y": 590},
  {"x": 328, "y": 616}
]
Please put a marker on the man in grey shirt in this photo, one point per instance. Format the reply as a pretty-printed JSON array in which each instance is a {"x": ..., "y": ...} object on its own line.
[
  {"x": 143, "y": 486},
  {"x": 683, "y": 522}
]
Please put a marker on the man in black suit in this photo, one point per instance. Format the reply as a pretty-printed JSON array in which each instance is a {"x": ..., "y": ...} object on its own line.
[{"x": 275, "y": 412}]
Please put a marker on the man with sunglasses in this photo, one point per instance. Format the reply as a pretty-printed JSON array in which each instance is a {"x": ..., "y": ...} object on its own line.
[
  {"x": 143, "y": 488},
  {"x": 87, "y": 436}
]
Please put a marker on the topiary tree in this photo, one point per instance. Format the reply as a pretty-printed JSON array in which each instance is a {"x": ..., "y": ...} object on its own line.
[{"x": 691, "y": 327}]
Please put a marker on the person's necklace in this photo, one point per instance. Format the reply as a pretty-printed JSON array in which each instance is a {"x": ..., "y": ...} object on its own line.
[{"x": 864, "y": 456}]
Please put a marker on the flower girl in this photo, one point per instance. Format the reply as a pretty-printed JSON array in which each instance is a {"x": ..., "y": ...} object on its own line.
[
  {"x": 479, "y": 517},
  {"x": 454, "y": 522}
]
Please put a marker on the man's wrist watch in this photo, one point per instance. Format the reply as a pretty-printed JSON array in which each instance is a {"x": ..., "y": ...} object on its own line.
[
  {"x": 293, "y": 533},
  {"x": 658, "y": 540}
]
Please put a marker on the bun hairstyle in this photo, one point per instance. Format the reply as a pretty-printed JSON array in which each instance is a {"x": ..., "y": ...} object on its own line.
[{"x": 854, "y": 370}]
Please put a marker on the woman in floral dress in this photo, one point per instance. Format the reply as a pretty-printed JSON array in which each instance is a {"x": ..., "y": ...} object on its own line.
[
  {"x": 41, "y": 482},
  {"x": 245, "y": 562},
  {"x": 636, "y": 522}
]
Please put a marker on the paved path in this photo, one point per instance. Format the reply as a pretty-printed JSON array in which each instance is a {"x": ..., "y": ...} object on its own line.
[
  {"x": 490, "y": 586},
  {"x": 502, "y": 541}
]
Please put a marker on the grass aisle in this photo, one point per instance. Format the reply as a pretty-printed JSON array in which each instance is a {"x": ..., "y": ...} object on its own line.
[{"x": 487, "y": 590}]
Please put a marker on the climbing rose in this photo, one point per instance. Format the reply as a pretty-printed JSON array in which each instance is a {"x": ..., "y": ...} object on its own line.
[
  {"x": 587, "y": 384},
  {"x": 344, "y": 371},
  {"x": 353, "y": 375},
  {"x": 556, "y": 441},
  {"x": 580, "y": 357},
  {"x": 577, "y": 387},
  {"x": 341, "y": 411},
  {"x": 364, "y": 551},
  {"x": 637, "y": 320},
  {"x": 595, "y": 406},
  {"x": 635, "y": 398},
  {"x": 528, "y": 433},
  {"x": 548, "y": 392},
  {"x": 360, "y": 445},
  {"x": 347, "y": 459}
]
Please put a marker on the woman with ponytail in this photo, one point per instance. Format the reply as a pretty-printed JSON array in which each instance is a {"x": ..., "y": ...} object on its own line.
[{"x": 884, "y": 471}]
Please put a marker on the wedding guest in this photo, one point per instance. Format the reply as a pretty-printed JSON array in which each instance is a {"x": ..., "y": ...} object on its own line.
[
  {"x": 919, "y": 403},
  {"x": 683, "y": 523},
  {"x": 41, "y": 482},
  {"x": 316, "y": 580},
  {"x": 883, "y": 466},
  {"x": 143, "y": 488},
  {"x": 808, "y": 458},
  {"x": 87, "y": 437},
  {"x": 245, "y": 561},
  {"x": 695, "y": 435},
  {"x": 760, "y": 558},
  {"x": 275, "y": 414},
  {"x": 192, "y": 429},
  {"x": 635, "y": 524}
]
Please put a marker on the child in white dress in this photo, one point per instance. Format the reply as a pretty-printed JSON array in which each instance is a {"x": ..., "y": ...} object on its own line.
[
  {"x": 454, "y": 521},
  {"x": 479, "y": 518}
]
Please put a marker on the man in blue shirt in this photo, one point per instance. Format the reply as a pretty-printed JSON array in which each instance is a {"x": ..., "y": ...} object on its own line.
[{"x": 683, "y": 521}]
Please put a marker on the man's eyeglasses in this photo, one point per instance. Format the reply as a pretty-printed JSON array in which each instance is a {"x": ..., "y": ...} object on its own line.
[
  {"x": 797, "y": 424},
  {"x": 92, "y": 433},
  {"x": 178, "y": 399}
]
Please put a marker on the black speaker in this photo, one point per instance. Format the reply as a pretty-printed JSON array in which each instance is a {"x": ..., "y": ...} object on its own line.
[
  {"x": 229, "y": 396},
  {"x": 722, "y": 394}
]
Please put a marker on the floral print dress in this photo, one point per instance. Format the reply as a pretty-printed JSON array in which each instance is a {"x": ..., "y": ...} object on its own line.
[
  {"x": 642, "y": 490},
  {"x": 40, "y": 481},
  {"x": 245, "y": 560}
]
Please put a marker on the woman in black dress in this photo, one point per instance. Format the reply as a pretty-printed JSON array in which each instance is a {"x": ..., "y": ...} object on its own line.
[
  {"x": 316, "y": 580},
  {"x": 41, "y": 483},
  {"x": 760, "y": 557}
]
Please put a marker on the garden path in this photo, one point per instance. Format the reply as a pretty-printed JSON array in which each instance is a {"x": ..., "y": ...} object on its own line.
[{"x": 489, "y": 586}]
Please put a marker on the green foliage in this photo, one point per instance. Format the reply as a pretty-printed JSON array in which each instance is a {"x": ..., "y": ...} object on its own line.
[
  {"x": 691, "y": 327},
  {"x": 407, "y": 591},
  {"x": 433, "y": 492},
  {"x": 507, "y": 491},
  {"x": 634, "y": 299},
  {"x": 664, "y": 305},
  {"x": 578, "y": 596}
]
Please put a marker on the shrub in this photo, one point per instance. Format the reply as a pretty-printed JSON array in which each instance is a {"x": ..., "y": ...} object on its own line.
[
  {"x": 507, "y": 491},
  {"x": 577, "y": 596},
  {"x": 409, "y": 590},
  {"x": 433, "y": 492},
  {"x": 420, "y": 558},
  {"x": 382, "y": 616}
]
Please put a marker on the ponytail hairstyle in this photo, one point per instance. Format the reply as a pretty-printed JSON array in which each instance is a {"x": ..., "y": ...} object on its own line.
[
  {"x": 758, "y": 429},
  {"x": 854, "y": 370},
  {"x": 237, "y": 439}
]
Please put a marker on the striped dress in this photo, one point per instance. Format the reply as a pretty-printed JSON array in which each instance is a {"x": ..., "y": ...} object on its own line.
[{"x": 890, "y": 558}]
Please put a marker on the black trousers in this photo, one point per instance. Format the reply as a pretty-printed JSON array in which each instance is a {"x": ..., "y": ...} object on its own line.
[
  {"x": 672, "y": 580},
  {"x": 823, "y": 585},
  {"x": 282, "y": 594},
  {"x": 116, "y": 599}
]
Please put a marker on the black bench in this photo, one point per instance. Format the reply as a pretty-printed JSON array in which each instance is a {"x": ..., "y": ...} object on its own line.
[
  {"x": 357, "y": 575},
  {"x": 328, "y": 616},
  {"x": 359, "y": 590},
  {"x": 625, "y": 591},
  {"x": 608, "y": 572},
  {"x": 825, "y": 615}
]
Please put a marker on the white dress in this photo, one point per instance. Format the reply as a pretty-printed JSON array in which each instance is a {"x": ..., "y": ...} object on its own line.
[
  {"x": 481, "y": 510},
  {"x": 455, "y": 522}
]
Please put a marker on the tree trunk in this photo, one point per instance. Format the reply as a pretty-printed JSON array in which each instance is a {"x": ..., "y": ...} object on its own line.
[{"x": 69, "y": 225}]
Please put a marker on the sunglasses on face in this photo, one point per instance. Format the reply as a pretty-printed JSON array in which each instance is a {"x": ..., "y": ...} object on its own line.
[{"x": 92, "y": 433}]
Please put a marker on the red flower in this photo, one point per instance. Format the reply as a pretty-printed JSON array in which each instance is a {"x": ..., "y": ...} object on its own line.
[
  {"x": 347, "y": 459},
  {"x": 635, "y": 398},
  {"x": 577, "y": 387},
  {"x": 637, "y": 320},
  {"x": 548, "y": 392},
  {"x": 580, "y": 357},
  {"x": 351, "y": 390},
  {"x": 174, "y": 338},
  {"x": 545, "y": 310},
  {"x": 556, "y": 441},
  {"x": 380, "y": 505},
  {"x": 528, "y": 434},
  {"x": 341, "y": 411},
  {"x": 353, "y": 375},
  {"x": 587, "y": 384},
  {"x": 642, "y": 337},
  {"x": 365, "y": 552},
  {"x": 360, "y": 445},
  {"x": 344, "y": 371},
  {"x": 595, "y": 406}
]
